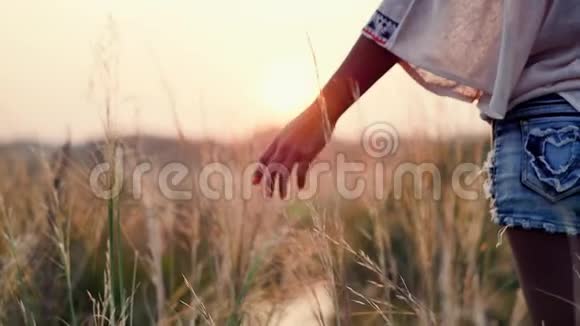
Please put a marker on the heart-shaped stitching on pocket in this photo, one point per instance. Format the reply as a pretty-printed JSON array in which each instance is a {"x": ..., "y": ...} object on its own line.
[{"x": 564, "y": 176}]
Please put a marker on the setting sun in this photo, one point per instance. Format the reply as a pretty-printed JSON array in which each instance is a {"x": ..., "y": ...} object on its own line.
[{"x": 288, "y": 87}]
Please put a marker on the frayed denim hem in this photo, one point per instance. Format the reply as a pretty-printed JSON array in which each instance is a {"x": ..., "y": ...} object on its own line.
[{"x": 527, "y": 223}]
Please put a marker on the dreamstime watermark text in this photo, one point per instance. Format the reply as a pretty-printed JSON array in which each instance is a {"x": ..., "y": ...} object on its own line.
[{"x": 351, "y": 179}]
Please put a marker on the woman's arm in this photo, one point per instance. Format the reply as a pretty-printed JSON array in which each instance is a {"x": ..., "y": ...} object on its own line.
[
  {"x": 303, "y": 138},
  {"x": 366, "y": 63}
]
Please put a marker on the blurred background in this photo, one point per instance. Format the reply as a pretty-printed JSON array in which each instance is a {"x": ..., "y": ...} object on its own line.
[
  {"x": 245, "y": 62},
  {"x": 198, "y": 82}
]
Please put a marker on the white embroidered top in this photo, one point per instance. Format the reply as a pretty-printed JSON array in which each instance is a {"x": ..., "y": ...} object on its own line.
[{"x": 496, "y": 52}]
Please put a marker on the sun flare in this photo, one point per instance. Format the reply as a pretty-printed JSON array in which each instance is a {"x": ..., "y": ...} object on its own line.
[{"x": 288, "y": 87}]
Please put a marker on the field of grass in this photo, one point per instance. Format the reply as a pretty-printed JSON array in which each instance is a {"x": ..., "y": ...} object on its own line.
[
  {"x": 68, "y": 257},
  {"x": 418, "y": 254}
]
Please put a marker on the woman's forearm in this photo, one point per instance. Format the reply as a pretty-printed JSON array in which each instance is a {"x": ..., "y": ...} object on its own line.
[
  {"x": 303, "y": 138},
  {"x": 366, "y": 63}
]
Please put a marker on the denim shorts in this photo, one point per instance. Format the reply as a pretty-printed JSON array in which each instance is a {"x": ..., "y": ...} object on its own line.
[{"x": 534, "y": 167}]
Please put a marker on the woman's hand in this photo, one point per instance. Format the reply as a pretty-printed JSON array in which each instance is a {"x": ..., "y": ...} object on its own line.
[
  {"x": 304, "y": 137},
  {"x": 296, "y": 146}
]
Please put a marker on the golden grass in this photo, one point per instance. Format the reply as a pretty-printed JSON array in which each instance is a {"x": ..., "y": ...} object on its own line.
[
  {"x": 69, "y": 257},
  {"x": 231, "y": 262}
]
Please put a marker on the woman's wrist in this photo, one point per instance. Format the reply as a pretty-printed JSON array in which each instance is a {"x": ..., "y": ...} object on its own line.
[{"x": 324, "y": 112}]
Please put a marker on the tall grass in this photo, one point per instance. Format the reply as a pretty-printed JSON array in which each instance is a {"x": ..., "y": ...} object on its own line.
[
  {"x": 396, "y": 262},
  {"x": 68, "y": 257}
]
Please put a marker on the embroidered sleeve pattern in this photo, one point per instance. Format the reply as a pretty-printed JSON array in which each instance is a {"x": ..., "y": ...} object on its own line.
[{"x": 380, "y": 28}]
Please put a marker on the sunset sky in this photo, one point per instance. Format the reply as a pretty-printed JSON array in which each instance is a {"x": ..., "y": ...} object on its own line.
[{"x": 231, "y": 67}]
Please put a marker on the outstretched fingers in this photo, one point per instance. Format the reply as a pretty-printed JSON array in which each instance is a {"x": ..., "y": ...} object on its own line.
[
  {"x": 263, "y": 163},
  {"x": 275, "y": 168},
  {"x": 301, "y": 173},
  {"x": 279, "y": 170}
]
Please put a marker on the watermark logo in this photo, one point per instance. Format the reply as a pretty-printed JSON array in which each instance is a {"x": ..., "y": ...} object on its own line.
[{"x": 380, "y": 140}]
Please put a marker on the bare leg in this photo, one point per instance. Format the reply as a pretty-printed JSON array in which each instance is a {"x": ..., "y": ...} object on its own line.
[{"x": 548, "y": 267}]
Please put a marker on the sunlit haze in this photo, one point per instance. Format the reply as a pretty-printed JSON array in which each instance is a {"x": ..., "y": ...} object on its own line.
[{"x": 222, "y": 69}]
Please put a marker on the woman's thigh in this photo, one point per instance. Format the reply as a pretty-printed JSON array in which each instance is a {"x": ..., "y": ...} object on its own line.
[
  {"x": 548, "y": 268},
  {"x": 535, "y": 192}
]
